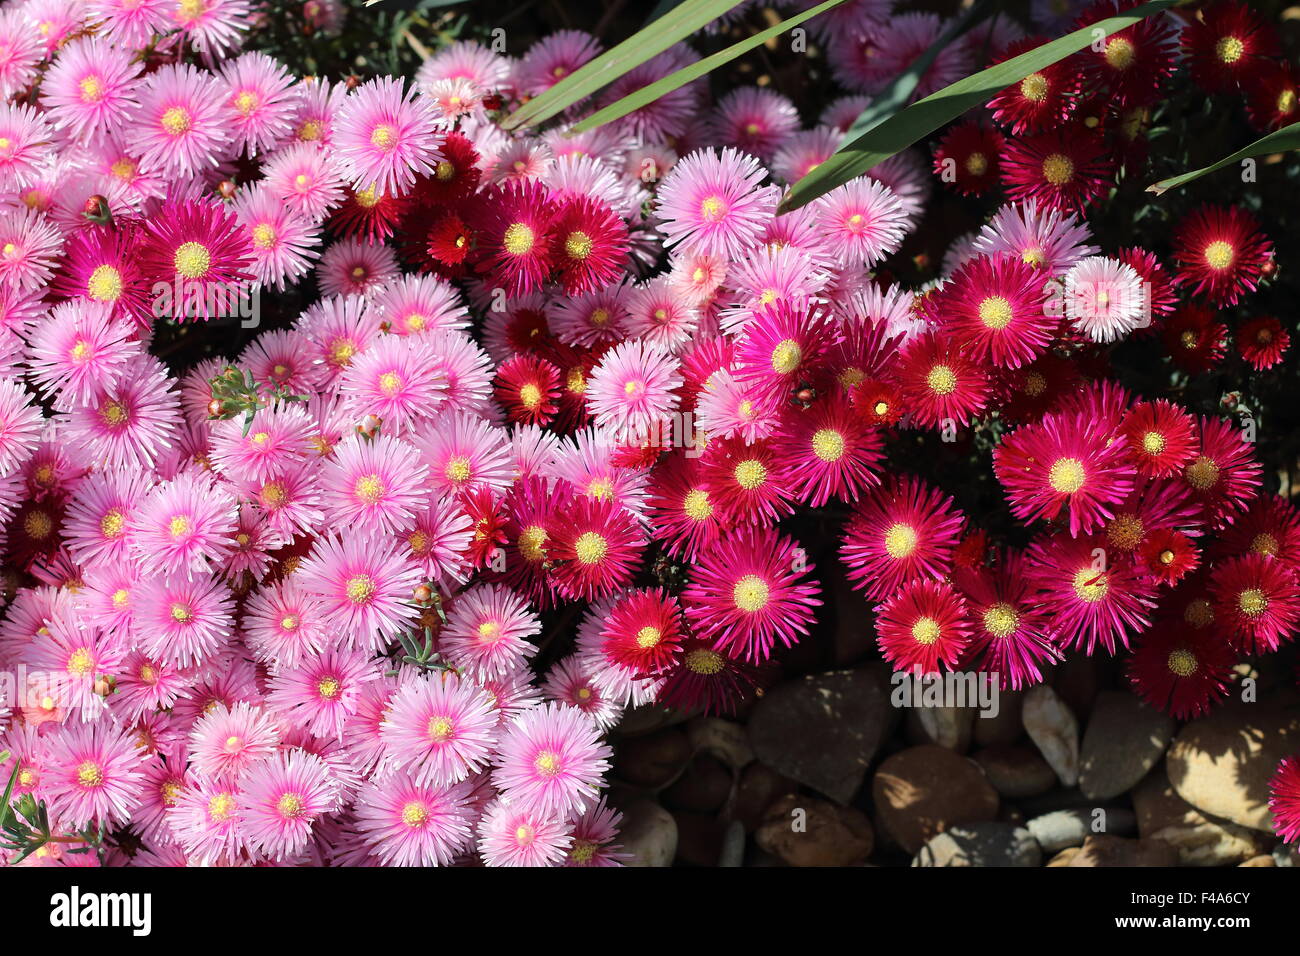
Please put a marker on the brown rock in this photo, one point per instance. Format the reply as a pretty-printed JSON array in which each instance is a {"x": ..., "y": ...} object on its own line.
[
  {"x": 1199, "y": 840},
  {"x": 822, "y": 730},
  {"x": 1052, "y": 727},
  {"x": 1124, "y": 740},
  {"x": 1264, "y": 860},
  {"x": 1016, "y": 771},
  {"x": 724, "y": 739},
  {"x": 980, "y": 844},
  {"x": 648, "y": 834},
  {"x": 1005, "y": 726},
  {"x": 699, "y": 838},
  {"x": 759, "y": 787},
  {"x": 822, "y": 835},
  {"x": 921, "y": 791},
  {"x": 703, "y": 788},
  {"x": 1105, "y": 850},
  {"x": 1064, "y": 857},
  {"x": 1221, "y": 764},
  {"x": 654, "y": 760}
]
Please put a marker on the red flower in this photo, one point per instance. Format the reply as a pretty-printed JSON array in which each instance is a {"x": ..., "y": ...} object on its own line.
[
  {"x": 1065, "y": 168},
  {"x": 527, "y": 388},
  {"x": 967, "y": 158},
  {"x": 1221, "y": 253},
  {"x": 1180, "y": 670},
  {"x": 1041, "y": 100},
  {"x": 588, "y": 245},
  {"x": 1227, "y": 45},
  {"x": 1262, "y": 342}
]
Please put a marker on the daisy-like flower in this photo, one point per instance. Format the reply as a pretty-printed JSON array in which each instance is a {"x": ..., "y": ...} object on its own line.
[
  {"x": 306, "y": 178},
  {"x": 182, "y": 621},
  {"x": 362, "y": 583},
  {"x": 207, "y": 820},
  {"x": 1105, "y": 299},
  {"x": 415, "y": 305},
  {"x": 101, "y": 515},
  {"x": 1131, "y": 65},
  {"x": 283, "y": 797},
  {"x": 588, "y": 244},
  {"x": 1094, "y": 598},
  {"x": 91, "y": 87},
  {"x": 869, "y": 53},
  {"x": 967, "y": 158},
  {"x": 515, "y": 235},
  {"x": 277, "y": 437},
  {"x": 707, "y": 679},
  {"x": 1044, "y": 238},
  {"x": 996, "y": 305},
  {"x": 20, "y": 425},
  {"x": 26, "y": 135},
  {"x": 1284, "y": 799},
  {"x": 593, "y": 838},
  {"x": 632, "y": 388},
  {"x": 91, "y": 773},
  {"x": 1064, "y": 461},
  {"x": 102, "y": 266},
  {"x": 29, "y": 246},
  {"x": 385, "y": 136},
  {"x": 20, "y": 50},
  {"x": 861, "y": 222},
  {"x": 922, "y": 626},
  {"x": 1226, "y": 45},
  {"x": 552, "y": 58},
  {"x": 1042, "y": 100},
  {"x": 1220, "y": 253},
  {"x": 510, "y": 835},
  {"x": 573, "y": 683},
  {"x": 259, "y": 101},
  {"x": 1223, "y": 474},
  {"x": 1161, "y": 437},
  {"x": 827, "y": 451},
  {"x": 751, "y": 590},
  {"x": 595, "y": 547},
  {"x": 657, "y": 314},
  {"x": 682, "y": 512},
  {"x": 397, "y": 380},
  {"x": 713, "y": 203},
  {"x": 939, "y": 382},
  {"x": 527, "y": 388},
  {"x": 439, "y": 729},
  {"x": 464, "y": 452},
  {"x": 754, "y": 119},
  {"x": 899, "y": 533},
  {"x": 408, "y": 824},
  {"x": 281, "y": 241},
  {"x": 1271, "y": 527},
  {"x": 1262, "y": 341},
  {"x": 373, "y": 484},
  {"x": 641, "y": 633},
  {"x": 1169, "y": 555},
  {"x": 487, "y": 631},
  {"x": 744, "y": 482},
  {"x": 1180, "y": 670},
  {"x": 1065, "y": 169},
  {"x": 440, "y": 539},
  {"x": 1257, "y": 602},
  {"x": 213, "y": 27},
  {"x": 283, "y": 624},
  {"x": 79, "y": 352},
  {"x": 551, "y": 761},
  {"x": 227, "y": 740},
  {"x": 1011, "y": 635},
  {"x": 351, "y": 267},
  {"x": 182, "y": 525},
  {"x": 1273, "y": 97},
  {"x": 180, "y": 127},
  {"x": 322, "y": 693},
  {"x": 198, "y": 249}
]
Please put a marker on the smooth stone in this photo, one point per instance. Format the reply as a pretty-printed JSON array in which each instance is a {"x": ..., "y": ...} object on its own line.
[
  {"x": 699, "y": 838},
  {"x": 1005, "y": 726},
  {"x": 980, "y": 844},
  {"x": 759, "y": 786},
  {"x": 1105, "y": 850},
  {"x": 648, "y": 718},
  {"x": 733, "y": 846},
  {"x": 724, "y": 739},
  {"x": 1016, "y": 771},
  {"x": 703, "y": 788},
  {"x": 654, "y": 760},
  {"x": 1064, "y": 857},
  {"x": 649, "y": 834},
  {"x": 824, "y": 834},
  {"x": 923, "y": 790},
  {"x": 1265, "y": 860},
  {"x": 823, "y": 730},
  {"x": 1124, "y": 740},
  {"x": 1067, "y": 828},
  {"x": 1222, "y": 764},
  {"x": 1286, "y": 854},
  {"x": 1055, "y": 732},
  {"x": 1200, "y": 840},
  {"x": 946, "y": 726}
]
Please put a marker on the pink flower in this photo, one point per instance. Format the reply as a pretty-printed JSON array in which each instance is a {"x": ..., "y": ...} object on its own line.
[
  {"x": 92, "y": 772},
  {"x": 385, "y": 136},
  {"x": 363, "y": 584},
  {"x": 551, "y": 761},
  {"x": 440, "y": 729},
  {"x": 283, "y": 797},
  {"x": 405, "y": 823},
  {"x": 374, "y": 485},
  {"x": 713, "y": 203}
]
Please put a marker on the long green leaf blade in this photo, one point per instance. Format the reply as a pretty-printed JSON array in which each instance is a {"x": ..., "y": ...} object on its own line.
[
  {"x": 925, "y": 116},
  {"x": 648, "y": 94},
  {"x": 1279, "y": 141},
  {"x": 677, "y": 24}
]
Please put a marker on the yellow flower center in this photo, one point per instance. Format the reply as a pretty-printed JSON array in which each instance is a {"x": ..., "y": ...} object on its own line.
[
  {"x": 713, "y": 208},
  {"x": 995, "y": 312},
  {"x": 360, "y": 588},
  {"x": 176, "y": 121},
  {"x": 329, "y": 687},
  {"x": 192, "y": 260},
  {"x": 90, "y": 774},
  {"x": 1120, "y": 53},
  {"x": 900, "y": 541},
  {"x": 1067, "y": 476},
  {"x": 1001, "y": 620},
  {"x": 648, "y": 637},
  {"x": 1229, "y": 49},
  {"x": 590, "y": 548},
  {"x": 1090, "y": 585},
  {"x": 828, "y": 444},
  {"x": 925, "y": 631},
  {"x": 104, "y": 284},
  {"x": 290, "y": 806},
  {"x": 263, "y": 235},
  {"x": 1202, "y": 474},
  {"x": 578, "y": 245},
  {"x": 750, "y": 593},
  {"x": 696, "y": 505},
  {"x": 1034, "y": 87},
  {"x": 440, "y": 729},
  {"x": 414, "y": 815},
  {"x": 383, "y": 137},
  {"x": 518, "y": 239},
  {"x": 941, "y": 380},
  {"x": 1219, "y": 255},
  {"x": 1182, "y": 662},
  {"x": 1058, "y": 169},
  {"x": 750, "y": 474},
  {"x": 977, "y": 164},
  {"x": 1253, "y": 602},
  {"x": 1153, "y": 443},
  {"x": 369, "y": 489},
  {"x": 786, "y": 357},
  {"x": 1125, "y": 532},
  {"x": 112, "y": 524}
]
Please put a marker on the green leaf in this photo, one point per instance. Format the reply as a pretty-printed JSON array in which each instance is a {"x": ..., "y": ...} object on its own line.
[
  {"x": 1280, "y": 141},
  {"x": 5, "y": 812},
  {"x": 675, "y": 25},
  {"x": 896, "y": 97},
  {"x": 648, "y": 94},
  {"x": 923, "y": 117}
]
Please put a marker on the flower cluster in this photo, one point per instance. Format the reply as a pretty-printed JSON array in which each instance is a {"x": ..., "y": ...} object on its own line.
[{"x": 373, "y": 590}]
